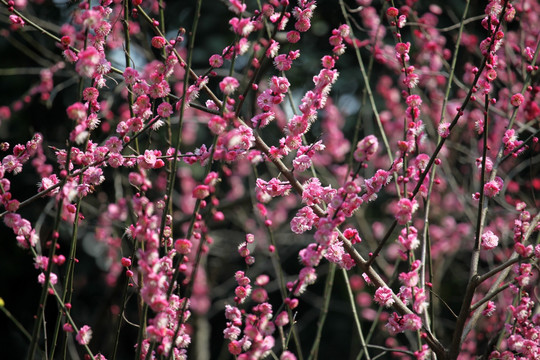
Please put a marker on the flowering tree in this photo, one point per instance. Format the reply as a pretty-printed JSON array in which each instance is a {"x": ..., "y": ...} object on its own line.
[{"x": 193, "y": 187}]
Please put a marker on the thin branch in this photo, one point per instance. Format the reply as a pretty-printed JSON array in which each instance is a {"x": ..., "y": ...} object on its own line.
[
  {"x": 499, "y": 268},
  {"x": 489, "y": 296},
  {"x": 449, "y": 28},
  {"x": 355, "y": 313},
  {"x": 313, "y": 354}
]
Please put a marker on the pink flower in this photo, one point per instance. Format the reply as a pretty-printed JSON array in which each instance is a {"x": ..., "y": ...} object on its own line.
[
  {"x": 414, "y": 101},
  {"x": 229, "y": 85},
  {"x": 409, "y": 279},
  {"x": 84, "y": 335},
  {"x": 242, "y": 292},
  {"x": 47, "y": 182},
  {"x": 12, "y": 164},
  {"x": 16, "y": 21},
  {"x": 279, "y": 84},
  {"x": 444, "y": 129},
  {"x": 411, "y": 322},
  {"x": 491, "y": 75},
  {"x": 401, "y": 21},
  {"x": 160, "y": 89},
  {"x": 76, "y": 112},
  {"x": 115, "y": 160},
  {"x": 411, "y": 80},
  {"x": 302, "y": 25},
  {"x": 493, "y": 187},
  {"x": 183, "y": 246},
  {"x": 158, "y": 42},
  {"x": 217, "y": 124},
  {"x": 394, "y": 324},
  {"x": 302, "y": 163},
  {"x": 517, "y": 99},
  {"x": 41, "y": 262},
  {"x": 282, "y": 62},
  {"x": 165, "y": 109},
  {"x": 272, "y": 49},
  {"x": 352, "y": 235},
  {"x": 216, "y": 61},
  {"x": 334, "y": 252},
  {"x": 402, "y": 48},
  {"x": 130, "y": 75},
  {"x": 366, "y": 148},
  {"x": 70, "y": 55},
  {"x": 242, "y": 27},
  {"x": 490, "y": 309},
  {"x": 339, "y": 49},
  {"x": 53, "y": 279},
  {"x": 93, "y": 176},
  {"x": 524, "y": 251},
  {"x": 263, "y": 119},
  {"x": 90, "y": 94},
  {"x": 287, "y": 355},
  {"x": 383, "y": 296},
  {"x": 282, "y": 319},
  {"x": 274, "y": 187},
  {"x": 489, "y": 240},
  {"x": 235, "y": 348},
  {"x": 148, "y": 160},
  {"x": 293, "y": 36},
  {"x": 232, "y": 332},
  {"x": 201, "y": 192},
  {"x": 511, "y": 142},
  {"x": 265, "y": 100},
  {"x": 304, "y": 220},
  {"x": 392, "y": 12},
  {"x": 314, "y": 193},
  {"x": 409, "y": 239},
  {"x": 88, "y": 61},
  {"x": 237, "y": 6},
  {"x": 405, "y": 208},
  {"x": 343, "y": 30},
  {"x": 328, "y": 62},
  {"x": 298, "y": 125},
  {"x": 374, "y": 184}
]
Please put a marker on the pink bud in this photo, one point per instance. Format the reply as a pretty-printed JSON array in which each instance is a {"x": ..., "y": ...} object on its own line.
[{"x": 126, "y": 262}]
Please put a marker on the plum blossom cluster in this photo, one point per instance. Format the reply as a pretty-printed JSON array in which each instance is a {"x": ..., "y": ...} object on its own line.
[
  {"x": 163, "y": 163},
  {"x": 522, "y": 226},
  {"x": 303, "y": 160},
  {"x": 522, "y": 336},
  {"x": 250, "y": 334},
  {"x": 397, "y": 324},
  {"x": 257, "y": 340}
]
